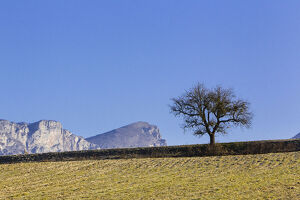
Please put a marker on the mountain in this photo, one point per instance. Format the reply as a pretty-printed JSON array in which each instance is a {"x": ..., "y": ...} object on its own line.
[
  {"x": 139, "y": 134},
  {"x": 39, "y": 137},
  {"x": 296, "y": 136},
  {"x": 49, "y": 136}
]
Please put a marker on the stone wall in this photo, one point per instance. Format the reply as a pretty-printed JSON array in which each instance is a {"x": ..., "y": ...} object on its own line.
[{"x": 221, "y": 149}]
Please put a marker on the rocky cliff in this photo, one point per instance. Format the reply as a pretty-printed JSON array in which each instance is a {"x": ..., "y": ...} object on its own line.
[
  {"x": 139, "y": 134},
  {"x": 39, "y": 137}
]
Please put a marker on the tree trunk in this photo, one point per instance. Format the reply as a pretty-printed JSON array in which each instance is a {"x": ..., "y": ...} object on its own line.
[{"x": 212, "y": 139}]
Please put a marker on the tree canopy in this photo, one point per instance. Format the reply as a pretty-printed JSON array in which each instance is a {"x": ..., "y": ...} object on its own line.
[{"x": 211, "y": 111}]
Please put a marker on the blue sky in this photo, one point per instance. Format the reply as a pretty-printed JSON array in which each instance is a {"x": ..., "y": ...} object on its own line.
[{"x": 99, "y": 65}]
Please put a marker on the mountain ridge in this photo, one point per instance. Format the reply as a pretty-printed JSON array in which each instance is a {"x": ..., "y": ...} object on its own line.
[
  {"x": 39, "y": 137},
  {"x": 49, "y": 136},
  {"x": 137, "y": 134}
]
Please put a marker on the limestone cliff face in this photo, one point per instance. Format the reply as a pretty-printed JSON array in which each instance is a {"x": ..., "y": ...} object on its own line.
[
  {"x": 139, "y": 134},
  {"x": 39, "y": 137}
]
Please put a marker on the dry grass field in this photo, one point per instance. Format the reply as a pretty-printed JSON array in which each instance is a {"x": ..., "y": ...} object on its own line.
[{"x": 263, "y": 176}]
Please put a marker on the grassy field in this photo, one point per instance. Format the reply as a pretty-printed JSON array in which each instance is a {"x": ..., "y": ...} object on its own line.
[{"x": 263, "y": 176}]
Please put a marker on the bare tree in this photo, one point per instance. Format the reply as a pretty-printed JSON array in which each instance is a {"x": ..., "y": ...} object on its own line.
[{"x": 211, "y": 111}]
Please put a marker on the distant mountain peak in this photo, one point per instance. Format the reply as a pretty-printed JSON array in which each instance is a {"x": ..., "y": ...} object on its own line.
[
  {"x": 139, "y": 124},
  {"x": 137, "y": 134}
]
